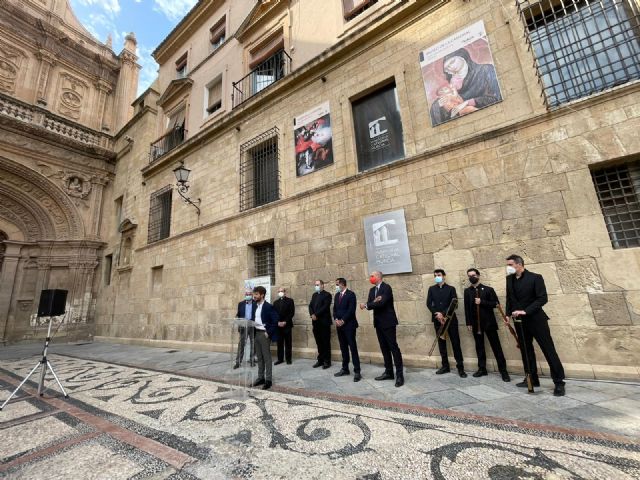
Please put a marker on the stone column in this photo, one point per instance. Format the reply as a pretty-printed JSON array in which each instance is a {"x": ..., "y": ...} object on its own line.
[
  {"x": 97, "y": 188},
  {"x": 8, "y": 283},
  {"x": 103, "y": 123},
  {"x": 47, "y": 61},
  {"x": 127, "y": 86}
]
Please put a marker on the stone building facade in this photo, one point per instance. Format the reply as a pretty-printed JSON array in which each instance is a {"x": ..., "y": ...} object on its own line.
[{"x": 63, "y": 94}]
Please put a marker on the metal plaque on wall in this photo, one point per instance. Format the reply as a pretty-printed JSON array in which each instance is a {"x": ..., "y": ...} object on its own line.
[{"x": 387, "y": 243}]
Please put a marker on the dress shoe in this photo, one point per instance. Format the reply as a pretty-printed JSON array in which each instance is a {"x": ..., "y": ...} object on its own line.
[
  {"x": 357, "y": 377},
  {"x": 237, "y": 365},
  {"x": 462, "y": 373},
  {"x": 278, "y": 362},
  {"x": 385, "y": 376},
  {"x": 505, "y": 377},
  {"x": 258, "y": 382},
  {"x": 523, "y": 383},
  {"x": 288, "y": 362},
  {"x": 399, "y": 381},
  {"x": 317, "y": 364},
  {"x": 480, "y": 373},
  {"x": 341, "y": 373},
  {"x": 326, "y": 365},
  {"x": 267, "y": 385},
  {"x": 442, "y": 370},
  {"x": 558, "y": 390}
]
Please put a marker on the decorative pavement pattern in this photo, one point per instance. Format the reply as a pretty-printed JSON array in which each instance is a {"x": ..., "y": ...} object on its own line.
[{"x": 123, "y": 422}]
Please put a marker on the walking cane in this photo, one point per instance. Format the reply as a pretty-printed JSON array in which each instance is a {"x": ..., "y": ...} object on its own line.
[
  {"x": 478, "y": 311},
  {"x": 526, "y": 356}
]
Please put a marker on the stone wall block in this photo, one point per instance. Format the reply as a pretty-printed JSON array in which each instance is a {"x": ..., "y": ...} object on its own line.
[
  {"x": 610, "y": 308},
  {"x": 579, "y": 276}
]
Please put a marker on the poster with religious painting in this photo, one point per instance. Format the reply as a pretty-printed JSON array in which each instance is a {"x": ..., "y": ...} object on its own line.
[
  {"x": 313, "y": 140},
  {"x": 459, "y": 75}
]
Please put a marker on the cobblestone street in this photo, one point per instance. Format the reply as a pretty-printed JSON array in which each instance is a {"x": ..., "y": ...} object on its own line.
[{"x": 137, "y": 412}]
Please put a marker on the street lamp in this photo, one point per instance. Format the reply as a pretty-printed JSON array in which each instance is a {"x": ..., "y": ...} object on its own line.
[{"x": 182, "y": 179}]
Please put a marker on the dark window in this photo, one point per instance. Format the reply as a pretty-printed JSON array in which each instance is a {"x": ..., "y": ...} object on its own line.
[
  {"x": 160, "y": 215},
  {"x": 265, "y": 261},
  {"x": 181, "y": 66},
  {"x": 3, "y": 247},
  {"x": 108, "y": 264},
  {"x": 353, "y": 8},
  {"x": 582, "y": 46},
  {"x": 618, "y": 191},
  {"x": 118, "y": 212},
  {"x": 259, "y": 175},
  {"x": 217, "y": 34}
]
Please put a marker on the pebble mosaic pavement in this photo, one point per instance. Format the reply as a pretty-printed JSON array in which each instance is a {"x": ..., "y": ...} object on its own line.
[{"x": 123, "y": 422}]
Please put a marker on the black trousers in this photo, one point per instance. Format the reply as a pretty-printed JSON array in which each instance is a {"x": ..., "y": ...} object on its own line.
[
  {"x": 245, "y": 337},
  {"x": 284, "y": 343},
  {"x": 322, "y": 335},
  {"x": 454, "y": 336},
  {"x": 494, "y": 341},
  {"x": 390, "y": 350},
  {"x": 347, "y": 339},
  {"x": 528, "y": 330}
]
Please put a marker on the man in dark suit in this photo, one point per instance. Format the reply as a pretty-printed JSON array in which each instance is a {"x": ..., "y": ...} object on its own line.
[
  {"x": 320, "y": 313},
  {"x": 266, "y": 326},
  {"x": 439, "y": 298},
  {"x": 380, "y": 300},
  {"x": 245, "y": 311},
  {"x": 482, "y": 299},
  {"x": 286, "y": 310},
  {"x": 344, "y": 314},
  {"x": 526, "y": 294}
]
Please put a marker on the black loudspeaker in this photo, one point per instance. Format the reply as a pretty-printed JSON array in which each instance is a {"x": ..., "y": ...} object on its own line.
[{"x": 52, "y": 303}]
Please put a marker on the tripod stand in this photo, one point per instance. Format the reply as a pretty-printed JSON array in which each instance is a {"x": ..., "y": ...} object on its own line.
[{"x": 45, "y": 365}]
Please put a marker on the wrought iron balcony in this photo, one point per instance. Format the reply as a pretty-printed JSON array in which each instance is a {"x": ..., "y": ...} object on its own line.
[
  {"x": 170, "y": 140},
  {"x": 267, "y": 73}
]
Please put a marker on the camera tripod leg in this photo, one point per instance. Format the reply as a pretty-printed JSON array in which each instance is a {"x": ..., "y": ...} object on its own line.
[
  {"x": 20, "y": 386},
  {"x": 57, "y": 380}
]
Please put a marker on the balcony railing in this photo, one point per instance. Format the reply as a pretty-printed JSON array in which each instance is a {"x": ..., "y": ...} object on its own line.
[
  {"x": 167, "y": 142},
  {"x": 267, "y": 73}
]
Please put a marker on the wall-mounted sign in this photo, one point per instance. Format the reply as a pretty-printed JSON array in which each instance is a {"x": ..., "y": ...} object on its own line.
[
  {"x": 387, "y": 243},
  {"x": 313, "y": 140},
  {"x": 459, "y": 75}
]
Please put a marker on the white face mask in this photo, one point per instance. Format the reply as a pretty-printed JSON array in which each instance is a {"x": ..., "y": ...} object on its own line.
[
  {"x": 317, "y": 288},
  {"x": 337, "y": 289},
  {"x": 511, "y": 270},
  {"x": 281, "y": 294}
]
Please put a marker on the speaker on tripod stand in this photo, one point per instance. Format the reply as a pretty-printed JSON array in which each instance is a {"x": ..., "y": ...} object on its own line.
[{"x": 52, "y": 304}]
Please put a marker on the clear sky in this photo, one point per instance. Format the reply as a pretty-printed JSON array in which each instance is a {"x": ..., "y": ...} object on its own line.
[{"x": 150, "y": 20}]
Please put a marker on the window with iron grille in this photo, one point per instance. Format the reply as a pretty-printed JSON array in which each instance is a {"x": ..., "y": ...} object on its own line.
[
  {"x": 618, "y": 190},
  {"x": 259, "y": 175},
  {"x": 264, "y": 259},
  {"x": 159, "y": 215},
  {"x": 582, "y": 47}
]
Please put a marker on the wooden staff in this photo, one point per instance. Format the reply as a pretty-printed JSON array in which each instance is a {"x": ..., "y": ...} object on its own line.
[
  {"x": 478, "y": 311},
  {"x": 506, "y": 322}
]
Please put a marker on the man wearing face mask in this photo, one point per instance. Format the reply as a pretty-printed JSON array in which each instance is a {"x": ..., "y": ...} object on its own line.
[
  {"x": 439, "y": 298},
  {"x": 245, "y": 310},
  {"x": 320, "y": 313},
  {"x": 344, "y": 314},
  {"x": 479, "y": 298},
  {"x": 286, "y": 310},
  {"x": 526, "y": 294},
  {"x": 385, "y": 320}
]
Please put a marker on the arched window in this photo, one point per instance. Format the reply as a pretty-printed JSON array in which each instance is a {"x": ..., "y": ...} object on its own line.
[{"x": 3, "y": 247}]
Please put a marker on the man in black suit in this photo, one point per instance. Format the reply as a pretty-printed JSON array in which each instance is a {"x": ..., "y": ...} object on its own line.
[
  {"x": 439, "y": 298},
  {"x": 344, "y": 314},
  {"x": 380, "y": 300},
  {"x": 286, "y": 310},
  {"x": 245, "y": 311},
  {"x": 482, "y": 299},
  {"x": 320, "y": 313},
  {"x": 526, "y": 294},
  {"x": 265, "y": 318}
]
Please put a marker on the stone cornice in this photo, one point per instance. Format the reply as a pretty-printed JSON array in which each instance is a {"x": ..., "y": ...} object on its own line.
[
  {"x": 176, "y": 87},
  {"x": 262, "y": 12}
]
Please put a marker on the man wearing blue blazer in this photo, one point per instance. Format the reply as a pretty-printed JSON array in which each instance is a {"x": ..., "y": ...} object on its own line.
[
  {"x": 265, "y": 318},
  {"x": 385, "y": 321},
  {"x": 245, "y": 311},
  {"x": 344, "y": 314}
]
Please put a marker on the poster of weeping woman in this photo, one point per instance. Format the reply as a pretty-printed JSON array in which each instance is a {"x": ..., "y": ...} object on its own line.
[{"x": 459, "y": 75}]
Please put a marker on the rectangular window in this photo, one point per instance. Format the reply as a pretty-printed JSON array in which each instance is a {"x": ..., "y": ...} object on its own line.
[
  {"x": 217, "y": 34},
  {"x": 181, "y": 66},
  {"x": 259, "y": 175},
  {"x": 264, "y": 259},
  {"x": 156, "y": 281},
  {"x": 159, "y": 215},
  {"x": 118, "y": 211},
  {"x": 582, "y": 46},
  {"x": 214, "y": 96},
  {"x": 618, "y": 190},
  {"x": 378, "y": 128},
  {"x": 353, "y": 8},
  {"x": 108, "y": 264},
  {"x": 267, "y": 63}
]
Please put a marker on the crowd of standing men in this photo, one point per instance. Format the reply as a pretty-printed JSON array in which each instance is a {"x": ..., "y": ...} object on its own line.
[{"x": 526, "y": 295}]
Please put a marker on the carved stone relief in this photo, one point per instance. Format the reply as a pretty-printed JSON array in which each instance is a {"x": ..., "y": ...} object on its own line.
[
  {"x": 11, "y": 60},
  {"x": 71, "y": 96},
  {"x": 76, "y": 185}
]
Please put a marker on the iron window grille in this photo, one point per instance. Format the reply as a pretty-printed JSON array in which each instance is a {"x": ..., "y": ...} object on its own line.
[
  {"x": 582, "y": 47},
  {"x": 169, "y": 141},
  {"x": 265, "y": 261},
  {"x": 160, "y": 215},
  {"x": 618, "y": 190},
  {"x": 266, "y": 73},
  {"x": 259, "y": 174}
]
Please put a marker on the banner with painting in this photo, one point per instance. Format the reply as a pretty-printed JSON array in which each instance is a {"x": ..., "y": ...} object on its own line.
[
  {"x": 459, "y": 75},
  {"x": 313, "y": 140}
]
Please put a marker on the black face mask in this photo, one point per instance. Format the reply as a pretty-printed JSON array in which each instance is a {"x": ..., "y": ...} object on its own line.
[{"x": 473, "y": 280}]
